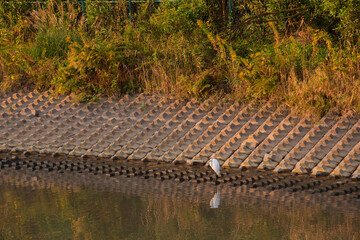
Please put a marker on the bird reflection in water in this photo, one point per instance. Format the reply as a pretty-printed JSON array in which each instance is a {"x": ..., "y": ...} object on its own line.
[{"x": 215, "y": 201}]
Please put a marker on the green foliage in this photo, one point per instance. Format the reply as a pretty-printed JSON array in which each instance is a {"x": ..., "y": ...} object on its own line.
[
  {"x": 173, "y": 17},
  {"x": 296, "y": 51},
  {"x": 94, "y": 66},
  {"x": 106, "y": 17},
  {"x": 52, "y": 43},
  {"x": 345, "y": 15}
]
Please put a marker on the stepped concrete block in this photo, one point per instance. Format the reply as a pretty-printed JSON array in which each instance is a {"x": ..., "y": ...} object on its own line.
[
  {"x": 325, "y": 145},
  {"x": 137, "y": 155},
  {"x": 232, "y": 162},
  {"x": 91, "y": 153},
  {"x": 306, "y": 164},
  {"x": 351, "y": 161},
  {"x": 249, "y": 144},
  {"x": 180, "y": 134},
  {"x": 121, "y": 155},
  {"x": 148, "y": 146},
  {"x": 257, "y": 161},
  {"x": 68, "y": 147},
  {"x": 97, "y": 149},
  {"x": 120, "y": 142},
  {"x": 261, "y": 144},
  {"x": 105, "y": 155},
  {"x": 4, "y": 104},
  {"x": 244, "y": 151},
  {"x": 168, "y": 157},
  {"x": 269, "y": 143},
  {"x": 102, "y": 144},
  {"x": 181, "y": 159},
  {"x": 88, "y": 141},
  {"x": 202, "y": 156},
  {"x": 261, "y": 150},
  {"x": 309, "y": 140},
  {"x": 33, "y": 149},
  {"x": 268, "y": 164},
  {"x": 321, "y": 149},
  {"x": 195, "y": 162},
  {"x": 109, "y": 153},
  {"x": 12, "y": 143},
  {"x": 155, "y": 128},
  {"x": 249, "y": 163},
  {"x": 191, "y": 151},
  {"x": 341, "y": 172},
  {"x": 44, "y": 151},
  {"x": 331, "y": 160},
  {"x": 62, "y": 151},
  {"x": 125, "y": 149},
  {"x": 300, "y": 170},
  {"x": 21, "y": 147},
  {"x": 235, "y": 160},
  {"x": 222, "y": 154},
  {"x": 206, "y": 152},
  {"x": 85, "y": 145},
  {"x": 152, "y": 156},
  {"x": 40, "y": 144},
  {"x": 356, "y": 173},
  {"x": 321, "y": 170},
  {"x": 78, "y": 151}
]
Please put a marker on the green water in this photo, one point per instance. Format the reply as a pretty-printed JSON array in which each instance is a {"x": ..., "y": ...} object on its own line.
[{"x": 33, "y": 209}]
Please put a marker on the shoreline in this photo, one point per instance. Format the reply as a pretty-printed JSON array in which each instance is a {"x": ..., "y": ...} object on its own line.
[{"x": 162, "y": 180}]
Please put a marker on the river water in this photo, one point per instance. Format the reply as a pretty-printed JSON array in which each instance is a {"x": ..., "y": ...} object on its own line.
[{"x": 44, "y": 206}]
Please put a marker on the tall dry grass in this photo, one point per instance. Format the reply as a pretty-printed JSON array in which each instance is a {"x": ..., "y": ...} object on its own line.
[{"x": 183, "y": 48}]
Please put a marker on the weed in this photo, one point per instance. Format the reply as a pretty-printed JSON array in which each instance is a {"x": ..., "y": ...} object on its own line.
[{"x": 304, "y": 53}]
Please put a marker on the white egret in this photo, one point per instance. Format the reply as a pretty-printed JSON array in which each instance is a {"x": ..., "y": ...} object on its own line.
[
  {"x": 214, "y": 164},
  {"x": 215, "y": 201}
]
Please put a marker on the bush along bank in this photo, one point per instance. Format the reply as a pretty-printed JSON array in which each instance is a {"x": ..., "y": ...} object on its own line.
[{"x": 304, "y": 53}]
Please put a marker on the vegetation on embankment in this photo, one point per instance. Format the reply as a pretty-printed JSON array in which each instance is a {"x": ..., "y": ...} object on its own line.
[{"x": 304, "y": 53}]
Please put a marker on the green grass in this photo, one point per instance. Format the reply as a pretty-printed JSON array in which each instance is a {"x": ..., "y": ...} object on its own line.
[{"x": 298, "y": 52}]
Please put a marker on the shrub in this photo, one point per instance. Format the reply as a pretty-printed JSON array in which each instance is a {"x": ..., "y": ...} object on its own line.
[{"x": 301, "y": 52}]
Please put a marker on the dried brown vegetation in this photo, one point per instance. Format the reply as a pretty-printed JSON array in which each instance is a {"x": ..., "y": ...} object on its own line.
[{"x": 301, "y": 53}]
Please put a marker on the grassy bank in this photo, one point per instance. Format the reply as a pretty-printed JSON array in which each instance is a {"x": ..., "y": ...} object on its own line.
[{"x": 304, "y": 53}]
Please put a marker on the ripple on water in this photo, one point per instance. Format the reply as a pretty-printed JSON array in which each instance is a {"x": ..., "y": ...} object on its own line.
[{"x": 50, "y": 205}]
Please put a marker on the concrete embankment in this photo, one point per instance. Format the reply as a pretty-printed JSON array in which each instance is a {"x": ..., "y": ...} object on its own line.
[{"x": 162, "y": 129}]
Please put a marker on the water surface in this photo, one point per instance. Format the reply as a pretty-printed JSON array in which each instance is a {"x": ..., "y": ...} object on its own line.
[{"x": 68, "y": 207}]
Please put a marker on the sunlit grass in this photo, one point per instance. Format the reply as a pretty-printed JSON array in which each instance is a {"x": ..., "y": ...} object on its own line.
[{"x": 187, "y": 49}]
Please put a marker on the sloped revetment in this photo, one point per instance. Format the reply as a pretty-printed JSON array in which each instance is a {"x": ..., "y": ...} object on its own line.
[{"x": 156, "y": 128}]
